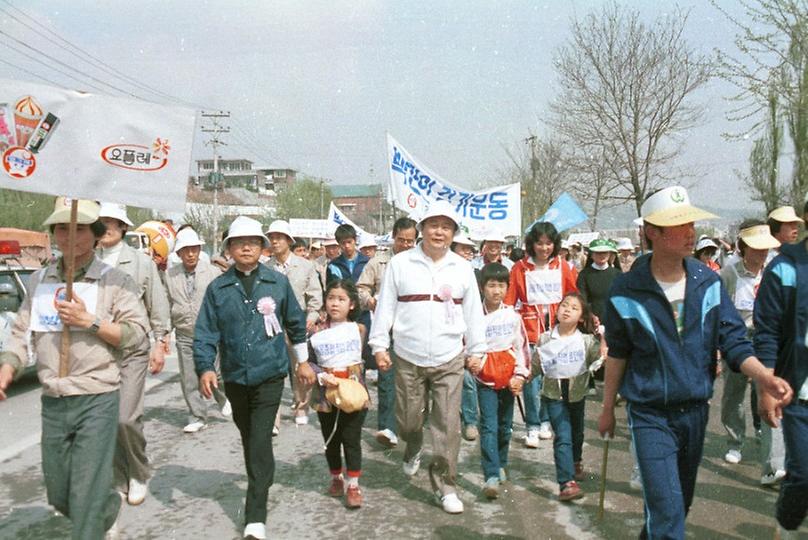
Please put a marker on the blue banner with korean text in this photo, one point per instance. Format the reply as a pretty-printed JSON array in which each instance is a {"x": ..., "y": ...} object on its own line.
[{"x": 413, "y": 186}]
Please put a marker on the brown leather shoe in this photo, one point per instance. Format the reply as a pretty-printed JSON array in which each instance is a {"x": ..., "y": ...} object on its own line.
[
  {"x": 337, "y": 488},
  {"x": 570, "y": 491},
  {"x": 353, "y": 497}
]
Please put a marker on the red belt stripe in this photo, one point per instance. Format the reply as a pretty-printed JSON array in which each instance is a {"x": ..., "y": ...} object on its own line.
[{"x": 425, "y": 298}]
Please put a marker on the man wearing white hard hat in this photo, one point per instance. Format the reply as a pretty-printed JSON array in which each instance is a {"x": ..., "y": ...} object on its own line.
[
  {"x": 131, "y": 463},
  {"x": 464, "y": 246},
  {"x": 367, "y": 245},
  {"x": 491, "y": 250},
  {"x": 705, "y": 251},
  {"x": 369, "y": 285},
  {"x": 780, "y": 328},
  {"x": 309, "y": 294},
  {"x": 246, "y": 316},
  {"x": 186, "y": 284},
  {"x": 742, "y": 280},
  {"x": 79, "y": 410},
  {"x": 431, "y": 302},
  {"x": 666, "y": 320},
  {"x": 625, "y": 256}
]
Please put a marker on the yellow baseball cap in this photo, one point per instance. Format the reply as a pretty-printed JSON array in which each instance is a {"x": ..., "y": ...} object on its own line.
[
  {"x": 785, "y": 214},
  {"x": 87, "y": 212}
]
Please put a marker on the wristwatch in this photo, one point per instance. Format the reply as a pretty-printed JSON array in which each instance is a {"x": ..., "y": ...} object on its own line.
[{"x": 95, "y": 326}]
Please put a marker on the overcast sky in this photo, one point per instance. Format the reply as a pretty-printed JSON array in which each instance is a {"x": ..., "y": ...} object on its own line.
[{"x": 315, "y": 85}]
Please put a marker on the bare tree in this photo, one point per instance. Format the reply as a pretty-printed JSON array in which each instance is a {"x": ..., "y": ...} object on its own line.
[
  {"x": 594, "y": 184},
  {"x": 773, "y": 46},
  {"x": 625, "y": 87},
  {"x": 541, "y": 168}
]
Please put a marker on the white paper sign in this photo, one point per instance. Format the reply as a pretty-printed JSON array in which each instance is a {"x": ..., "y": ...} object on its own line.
[
  {"x": 90, "y": 146},
  {"x": 543, "y": 287},
  {"x": 563, "y": 357},
  {"x": 44, "y": 317}
]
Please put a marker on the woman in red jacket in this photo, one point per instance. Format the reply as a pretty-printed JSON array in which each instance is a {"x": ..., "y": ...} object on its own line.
[{"x": 537, "y": 284}]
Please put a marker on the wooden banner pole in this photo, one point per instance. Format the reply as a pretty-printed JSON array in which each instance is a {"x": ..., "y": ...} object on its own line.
[{"x": 69, "y": 262}]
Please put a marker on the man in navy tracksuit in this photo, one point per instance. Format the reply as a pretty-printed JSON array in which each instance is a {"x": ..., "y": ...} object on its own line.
[
  {"x": 781, "y": 322},
  {"x": 666, "y": 319}
]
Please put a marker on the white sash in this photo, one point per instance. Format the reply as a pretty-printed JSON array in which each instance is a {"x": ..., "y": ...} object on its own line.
[{"x": 337, "y": 347}]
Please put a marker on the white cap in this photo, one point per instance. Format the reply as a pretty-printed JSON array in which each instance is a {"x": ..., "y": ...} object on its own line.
[
  {"x": 440, "y": 208},
  {"x": 463, "y": 240},
  {"x": 670, "y": 207},
  {"x": 493, "y": 235},
  {"x": 625, "y": 243},
  {"x": 243, "y": 226},
  {"x": 785, "y": 214},
  {"x": 117, "y": 211},
  {"x": 330, "y": 241},
  {"x": 87, "y": 211},
  {"x": 367, "y": 240},
  {"x": 282, "y": 227},
  {"x": 705, "y": 243},
  {"x": 187, "y": 238}
]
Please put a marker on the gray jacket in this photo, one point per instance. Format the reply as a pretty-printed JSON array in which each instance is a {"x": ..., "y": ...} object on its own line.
[
  {"x": 185, "y": 307},
  {"x": 305, "y": 282}
]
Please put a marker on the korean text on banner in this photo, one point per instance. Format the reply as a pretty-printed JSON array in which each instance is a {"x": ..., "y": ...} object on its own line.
[
  {"x": 90, "y": 146},
  {"x": 336, "y": 218},
  {"x": 413, "y": 186}
]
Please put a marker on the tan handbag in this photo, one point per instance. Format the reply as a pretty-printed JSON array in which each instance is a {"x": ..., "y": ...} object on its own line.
[{"x": 348, "y": 396}]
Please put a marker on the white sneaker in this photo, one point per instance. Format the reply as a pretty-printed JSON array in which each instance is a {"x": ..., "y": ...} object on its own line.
[
  {"x": 371, "y": 376},
  {"x": 275, "y": 431},
  {"x": 411, "y": 467},
  {"x": 451, "y": 504},
  {"x": 137, "y": 492},
  {"x": 545, "y": 433},
  {"x": 227, "y": 409},
  {"x": 386, "y": 438},
  {"x": 772, "y": 478},
  {"x": 255, "y": 531},
  {"x": 194, "y": 426},
  {"x": 532, "y": 438},
  {"x": 301, "y": 419},
  {"x": 636, "y": 480},
  {"x": 733, "y": 456}
]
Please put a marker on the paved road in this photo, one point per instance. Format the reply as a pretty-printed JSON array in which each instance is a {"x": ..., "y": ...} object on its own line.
[{"x": 199, "y": 483}]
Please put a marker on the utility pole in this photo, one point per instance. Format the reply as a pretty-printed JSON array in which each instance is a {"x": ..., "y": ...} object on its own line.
[
  {"x": 534, "y": 172},
  {"x": 215, "y": 142}
]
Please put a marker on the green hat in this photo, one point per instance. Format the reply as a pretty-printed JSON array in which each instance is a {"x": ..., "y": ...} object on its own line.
[{"x": 601, "y": 245}]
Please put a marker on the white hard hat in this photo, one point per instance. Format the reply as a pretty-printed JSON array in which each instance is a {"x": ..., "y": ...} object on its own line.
[
  {"x": 625, "y": 243},
  {"x": 705, "y": 243},
  {"x": 243, "y": 226},
  {"x": 463, "y": 240},
  {"x": 282, "y": 227},
  {"x": 367, "y": 240},
  {"x": 187, "y": 238},
  {"x": 493, "y": 235},
  {"x": 440, "y": 208},
  {"x": 114, "y": 210}
]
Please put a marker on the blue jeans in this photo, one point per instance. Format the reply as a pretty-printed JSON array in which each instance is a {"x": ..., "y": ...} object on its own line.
[
  {"x": 669, "y": 445},
  {"x": 568, "y": 425},
  {"x": 386, "y": 387},
  {"x": 535, "y": 414},
  {"x": 792, "y": 504},
  {"x": 468, "y": 403},
  {"x": 496, "y": 425}
]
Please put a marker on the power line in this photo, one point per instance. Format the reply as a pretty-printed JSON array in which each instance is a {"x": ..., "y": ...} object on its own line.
[
  {"x": 84, "y": 55},
  {"x": 38, "y": 76},
  {"x": 37, "y": 60}
]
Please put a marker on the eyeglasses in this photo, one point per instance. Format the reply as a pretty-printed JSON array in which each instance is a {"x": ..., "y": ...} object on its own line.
[{"x": 249, "y": 241}]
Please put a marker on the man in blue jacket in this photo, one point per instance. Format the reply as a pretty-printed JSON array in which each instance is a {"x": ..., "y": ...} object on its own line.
[
  {"x": 781, "y": 324},
  {"x": 243, "y": 316},
  {"x": 666, "y": 320}
]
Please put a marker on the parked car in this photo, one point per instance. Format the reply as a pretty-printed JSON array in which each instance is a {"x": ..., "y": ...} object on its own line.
[{"x": 14, "y": 279}]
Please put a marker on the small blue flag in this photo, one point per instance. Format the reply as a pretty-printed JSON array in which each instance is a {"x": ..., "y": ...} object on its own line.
[{"x": 564, "y": 214}]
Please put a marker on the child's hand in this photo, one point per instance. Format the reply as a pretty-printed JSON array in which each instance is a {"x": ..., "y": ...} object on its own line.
[
  {"x": 516, "y": 385},
  {"x": 473, "y": 364},
  {"x": 329, "y": 380}
]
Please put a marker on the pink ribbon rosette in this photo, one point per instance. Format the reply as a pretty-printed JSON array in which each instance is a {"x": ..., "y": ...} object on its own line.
[
  {"x": 266, "y": 307},
  {"x": 445, "y": 295}
]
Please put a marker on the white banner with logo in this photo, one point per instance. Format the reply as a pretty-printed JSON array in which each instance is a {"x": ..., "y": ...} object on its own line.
[
  {"x": 413, "y": 186},
  {"x": 89, "y": 146},
  {"x": 310, "y": 228},
  {"x": 337, "y": 217}
]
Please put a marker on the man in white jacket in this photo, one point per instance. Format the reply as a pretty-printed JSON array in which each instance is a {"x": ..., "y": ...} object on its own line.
[{"x": 430, "y": 300}]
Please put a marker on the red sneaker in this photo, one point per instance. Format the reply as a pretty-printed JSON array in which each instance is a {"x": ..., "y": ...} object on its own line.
[
  {"x": 337, "y": 488},
  {"x": 353, "y": 497},
  {"x": 570, "y": 491}
]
